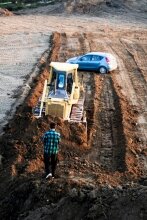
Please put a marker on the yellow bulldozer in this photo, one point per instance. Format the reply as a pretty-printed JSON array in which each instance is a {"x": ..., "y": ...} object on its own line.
[{"x": 63, "y": 95}]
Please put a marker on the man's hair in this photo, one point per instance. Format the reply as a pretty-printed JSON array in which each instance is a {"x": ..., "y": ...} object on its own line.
[{"x": 52, "y": 125}]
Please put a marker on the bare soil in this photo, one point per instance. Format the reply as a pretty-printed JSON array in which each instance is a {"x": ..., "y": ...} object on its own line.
[
  {"x": 103, "y": 175},
  {"x": 5, "y": 12}
]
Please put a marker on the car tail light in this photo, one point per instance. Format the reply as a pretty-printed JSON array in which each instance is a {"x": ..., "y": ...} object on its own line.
[{"x": 107, "y": 60}]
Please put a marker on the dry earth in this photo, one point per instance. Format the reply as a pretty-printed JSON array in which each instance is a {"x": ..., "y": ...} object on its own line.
[
  {"x": 19, "y": 54},
  {"x": 106, "y": 178}
]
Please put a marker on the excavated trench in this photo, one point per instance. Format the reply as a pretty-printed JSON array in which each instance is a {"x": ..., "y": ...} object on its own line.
[
  {"x": 109, "y": 144},
  {"x": 80, "y": 170}
]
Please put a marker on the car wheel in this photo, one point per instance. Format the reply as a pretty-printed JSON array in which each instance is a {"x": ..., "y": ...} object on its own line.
[{"x": 103, "y": 70}]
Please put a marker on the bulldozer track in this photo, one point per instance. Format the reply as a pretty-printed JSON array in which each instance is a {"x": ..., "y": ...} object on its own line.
[
  {"x": 109, "y": 141},
  {"x": 77, "y": 110}
]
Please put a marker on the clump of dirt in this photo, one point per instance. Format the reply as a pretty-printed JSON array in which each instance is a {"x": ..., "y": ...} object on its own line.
[{"x": 5, "y": 12}]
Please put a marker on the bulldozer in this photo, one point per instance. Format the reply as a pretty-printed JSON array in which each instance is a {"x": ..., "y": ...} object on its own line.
[{"x": 63, "y": 95}]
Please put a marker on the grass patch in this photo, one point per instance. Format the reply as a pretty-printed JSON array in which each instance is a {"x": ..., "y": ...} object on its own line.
[
  {"x": 19, "y": 6},
  {"x": 12, "y": 7}
]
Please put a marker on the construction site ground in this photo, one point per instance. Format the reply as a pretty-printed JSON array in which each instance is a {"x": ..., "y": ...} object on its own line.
[{"x": 102, "y": 172}]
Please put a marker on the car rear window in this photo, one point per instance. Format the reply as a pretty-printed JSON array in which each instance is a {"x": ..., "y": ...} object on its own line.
[
  {"x": 96, "y": 58},
  {"x": 86, "y": 58}
]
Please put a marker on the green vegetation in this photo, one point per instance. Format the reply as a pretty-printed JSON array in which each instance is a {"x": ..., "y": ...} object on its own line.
[{"x": 14, "y": 5}]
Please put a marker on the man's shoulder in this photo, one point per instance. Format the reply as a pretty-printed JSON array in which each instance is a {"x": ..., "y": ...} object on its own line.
[
  {"x": 57, "y": 133},
  {"x": 47, "y": 132},
  {"x": 52, "y": 132}
]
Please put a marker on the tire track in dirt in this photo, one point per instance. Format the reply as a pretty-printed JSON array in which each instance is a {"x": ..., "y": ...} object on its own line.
[
  {"x": 138, "y": 84},
  {"x": 88, "y": 79},
  {"x": 131, "y": 83},
  {"x": 109, "y": 141},
  {"x": 140, "y": 56},
  {"x": 139, "y": 79},
  {"x": 137, "y": 76}
]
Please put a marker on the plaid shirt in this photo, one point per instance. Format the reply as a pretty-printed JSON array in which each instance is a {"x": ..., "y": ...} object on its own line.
[{"x": 51, "y": 140}]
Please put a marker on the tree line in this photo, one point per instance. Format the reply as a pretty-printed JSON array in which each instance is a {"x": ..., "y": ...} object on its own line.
[{"x": 21, "y": 1}]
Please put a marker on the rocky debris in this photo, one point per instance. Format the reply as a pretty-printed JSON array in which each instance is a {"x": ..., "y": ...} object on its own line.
[
  {"x": 82, "y": 202},
  {"x": 96, "y": 6},
  {"x": 5, "y": 12}
]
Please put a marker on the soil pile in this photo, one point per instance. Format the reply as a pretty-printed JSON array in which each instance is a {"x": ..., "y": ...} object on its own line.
[
  {"x": 5, "y": 12},
  {"x": 91, "y": 7},
  {"x": 97, "y": 6}
]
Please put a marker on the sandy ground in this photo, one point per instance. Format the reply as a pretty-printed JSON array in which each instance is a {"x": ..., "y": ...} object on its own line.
[
  {"x": 19, "y": 54},
  {"x": 105, "y": 179}
]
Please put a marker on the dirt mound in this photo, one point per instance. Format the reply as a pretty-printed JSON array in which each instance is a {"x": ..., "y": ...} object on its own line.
[
  {"x": 44, "y": 10},
  {"x": 94, "y": 203},
  {"x": 5, "y": 12},
  {"x": 33, "y": 199},
  {"x": 91, "y": 7},
  {"x": 97, "y": 6}
]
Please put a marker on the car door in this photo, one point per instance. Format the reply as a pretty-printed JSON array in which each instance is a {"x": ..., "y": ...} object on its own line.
[
  {"x": 84, "y": 62},
  {"x": 95, "y": 62}
]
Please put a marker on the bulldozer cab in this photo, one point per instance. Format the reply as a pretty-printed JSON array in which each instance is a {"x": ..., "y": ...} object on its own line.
[{"x": 63, "y": 81}]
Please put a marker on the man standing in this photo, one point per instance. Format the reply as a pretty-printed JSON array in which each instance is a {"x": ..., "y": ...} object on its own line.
[{"x": 51, "y": 141}]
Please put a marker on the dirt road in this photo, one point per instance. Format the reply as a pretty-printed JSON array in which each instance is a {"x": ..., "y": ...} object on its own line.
[{"x": 94, "y": 178}]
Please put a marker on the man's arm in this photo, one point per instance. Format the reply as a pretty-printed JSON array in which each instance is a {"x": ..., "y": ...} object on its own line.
[
  {"x": 59, "y": 138},
  {"x": 44, "y": 138}
]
